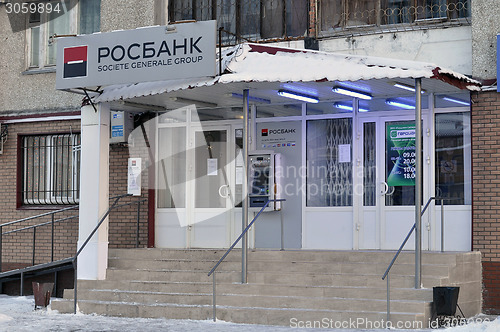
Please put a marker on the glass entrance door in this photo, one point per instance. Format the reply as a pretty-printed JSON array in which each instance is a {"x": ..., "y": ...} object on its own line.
[
  {"x": 210, "y": 189},
  {"x": 388, "y": 176},
  {"x": 195, "y": 187}
]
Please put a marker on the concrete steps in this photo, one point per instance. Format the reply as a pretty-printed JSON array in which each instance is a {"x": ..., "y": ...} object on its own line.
[{"x": 283, "y": 286}]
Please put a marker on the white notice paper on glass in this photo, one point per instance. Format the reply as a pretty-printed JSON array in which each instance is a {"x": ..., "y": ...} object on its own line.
[
  {"x": 344, "y": 153},
  {"x": 239, "y": 175},
  {"x": 212, "y": 166}
]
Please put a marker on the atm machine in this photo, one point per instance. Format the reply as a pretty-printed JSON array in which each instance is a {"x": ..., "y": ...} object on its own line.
[{"x": 264, "y": 180}]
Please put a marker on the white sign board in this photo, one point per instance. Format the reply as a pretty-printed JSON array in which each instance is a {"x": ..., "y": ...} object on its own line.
[
  {"x": 134, "y": 176},
  {"x": 156, "y": 53}
]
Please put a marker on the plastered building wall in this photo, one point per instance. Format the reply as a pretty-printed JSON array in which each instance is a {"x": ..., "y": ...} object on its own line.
[
  {"x": 450, "y": 48},
  {"x": 485, "y": 27}
]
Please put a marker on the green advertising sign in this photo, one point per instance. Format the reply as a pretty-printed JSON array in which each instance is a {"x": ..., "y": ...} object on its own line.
[{"x": 400, "y": 154}]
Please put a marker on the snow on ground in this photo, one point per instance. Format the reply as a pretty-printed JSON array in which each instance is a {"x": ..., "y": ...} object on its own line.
[{"x": 18, "y": 314}]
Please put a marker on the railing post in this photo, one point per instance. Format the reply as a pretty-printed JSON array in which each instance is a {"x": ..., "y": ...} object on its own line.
[
  {"x": 282, "y": 227},
  {"x": 52, "y": 240},
  {"x": 138, "y": 219},
  {"x": 388, "y": 298},
  {"x": 214, "y": 309},
  {"x": 21, "y": 292},
  {"x": 75, "y": 283},
  {"x": 34, "y": 244},
  {"x": 442, "y": 225}
]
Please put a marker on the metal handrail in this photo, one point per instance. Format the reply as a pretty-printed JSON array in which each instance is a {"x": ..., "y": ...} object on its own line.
[
  {"x": 75, "y": 258},
  {"x": 38, "y": 225},
  {"x": 212, "y": 271},
  {"x": 54, "y": 221},
  {"x": 386, "y": 274},
  {"x": 39, "y": 216},
  {"x": 406, "y": 239}
]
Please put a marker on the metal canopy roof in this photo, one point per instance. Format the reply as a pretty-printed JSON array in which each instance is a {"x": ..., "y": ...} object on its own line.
[{"x": 266, "y": 69}]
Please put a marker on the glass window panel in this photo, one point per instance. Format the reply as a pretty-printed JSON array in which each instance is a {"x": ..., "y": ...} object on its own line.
[
  {"x": 369, "y": 164},
  {"x": 210, "y": 168},
  {"x": 35, "y": 47},
  {"x": 429, "y": 9},
  {"x": 459, "y": 9},
  {"x": 238, "y": 195},
  {"x": 171, "y": 187},
  {"x": 204, "y": 10},
  {"x": 272, "y": 18},
  {"x": 452, "y": 157},
  {"x": 297, "y": 12},
  {"x": 361, "y": 12},
  {"x": 331, "y": 15},
  {"x": 397, "y": 11},
  {"x": 226, "y": 17},
  {"x": 269, "y": 111},
  {"x": 249, "y": 19},
  {"x": 90, "y": 16},
  {"x": 402, "y": 161},
  {"x": 181, "y": 10},
  {"x": 329, "y": 164},
  {"x": 57, "y": 25},
  {"x": 175, "y": 116}
]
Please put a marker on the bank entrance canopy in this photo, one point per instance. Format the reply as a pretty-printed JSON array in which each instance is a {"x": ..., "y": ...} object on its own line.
[{"x": 267, "y": 70}]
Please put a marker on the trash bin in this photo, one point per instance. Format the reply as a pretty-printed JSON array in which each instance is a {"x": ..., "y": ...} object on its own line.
[
  {"x": 445, "y": 300},
  {"x": 42, "y": 292}
]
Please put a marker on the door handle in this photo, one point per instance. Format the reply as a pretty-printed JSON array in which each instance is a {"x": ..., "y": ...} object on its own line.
[
  {"x": 385, "y": 191},
  {"x": 386, "y": 188},
  {"x": 226, "y": 194}
]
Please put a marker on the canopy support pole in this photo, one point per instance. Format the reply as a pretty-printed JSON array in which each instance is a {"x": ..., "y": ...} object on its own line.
[
  {"x": 244, "y": 219},
  {"x": 418, "y": 183}
]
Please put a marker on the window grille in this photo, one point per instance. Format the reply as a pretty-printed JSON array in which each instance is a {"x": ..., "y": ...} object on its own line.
[
  {"x": 338, "y": 15},
  {"x": 51, "y": 169}
]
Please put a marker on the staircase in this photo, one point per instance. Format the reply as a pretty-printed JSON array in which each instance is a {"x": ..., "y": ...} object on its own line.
[{"x": 290, "y": 288}]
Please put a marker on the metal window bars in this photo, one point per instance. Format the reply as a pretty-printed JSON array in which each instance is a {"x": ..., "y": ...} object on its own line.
[{"x": 51, "y": 174}]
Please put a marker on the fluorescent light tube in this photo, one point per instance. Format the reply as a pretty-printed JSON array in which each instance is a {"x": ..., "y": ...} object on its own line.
[
  {"x": 457, "y": 101},
  {"x": 351, "y": 93},
  {"x": 251, "y": 98},
  {"x": 348, "y": 108},
  {"x": 298, "y": 96},
  {"x": 400, "y": 104},
  {"x": 406, "y": 87}
]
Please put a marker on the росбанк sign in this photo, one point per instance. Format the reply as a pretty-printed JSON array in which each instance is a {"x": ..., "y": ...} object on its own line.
[{"x": 141, "y": 55}]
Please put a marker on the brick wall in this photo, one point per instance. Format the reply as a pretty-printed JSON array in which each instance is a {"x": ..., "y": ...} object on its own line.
[
  {"x": 486, "y": 192},
  {"x": 17, "y": 247}
]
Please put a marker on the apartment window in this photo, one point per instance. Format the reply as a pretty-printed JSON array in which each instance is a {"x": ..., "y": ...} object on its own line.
[
  {"x": 338, "y": 14},
  {"x": 246, "y": 19},
  {"x": 51, "y": 169},
  {"x": 73, "y": 17}
]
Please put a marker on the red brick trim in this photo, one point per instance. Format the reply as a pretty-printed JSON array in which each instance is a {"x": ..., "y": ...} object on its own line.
[{"x": 491, "y": 288}]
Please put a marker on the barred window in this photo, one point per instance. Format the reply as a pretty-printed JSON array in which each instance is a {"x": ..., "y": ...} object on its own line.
[
  {"x": 336, "y": 15},
  {"x": 51, "y": 169}
]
